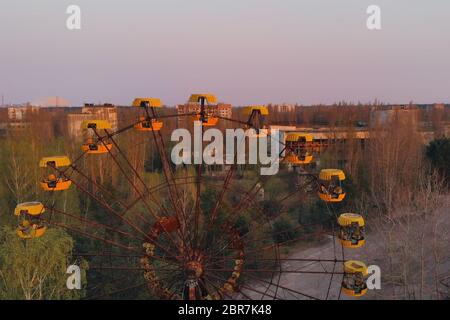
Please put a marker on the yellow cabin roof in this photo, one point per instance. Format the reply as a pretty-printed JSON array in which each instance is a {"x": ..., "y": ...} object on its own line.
[
  {"x": 354, "y": 266},
  {"x": 210, "y": 98},
  {"x": 33, "y": 208},
  {"x": 262, "y": 109},
  {"x": 148, "y": 102},
  {"x": 347, "y": 219},
  {"x": 328, "y": 174},
  {"x": 58, "y": 161},
  {"x": 294, "y": 137},
  {"x": 97, "y": 124}
]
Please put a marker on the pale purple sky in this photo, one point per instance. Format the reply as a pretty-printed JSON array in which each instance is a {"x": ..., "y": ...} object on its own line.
[{"x": 244, "y": 51}]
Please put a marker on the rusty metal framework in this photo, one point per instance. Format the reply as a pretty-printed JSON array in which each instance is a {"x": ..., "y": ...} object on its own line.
[{"x": 183, "y": 249}]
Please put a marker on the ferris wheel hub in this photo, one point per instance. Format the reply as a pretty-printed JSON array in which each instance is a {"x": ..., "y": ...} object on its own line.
[{"x": 194, "y": 269}]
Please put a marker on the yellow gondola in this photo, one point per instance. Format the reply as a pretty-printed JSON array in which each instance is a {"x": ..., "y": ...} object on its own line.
[
  {"x": 330, "y": 189},
  {"x": 92, "y": 147},
  {"x": 351, "y": 233},
  {"x": 297, "y": 145},
  {"x": 51, "y": 182},
  {"x": 355, "y": 276},
  {"x": 148, "y": 125},
  {"x": 31, "y": 225},
  {"x": 208, "y": 103}
]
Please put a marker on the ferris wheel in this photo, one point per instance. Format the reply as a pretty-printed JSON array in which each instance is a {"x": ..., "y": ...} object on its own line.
[{"x": 194, "y": 235}]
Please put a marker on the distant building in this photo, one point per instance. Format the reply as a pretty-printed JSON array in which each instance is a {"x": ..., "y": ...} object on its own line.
[
  {"x": 19, "y": 113},
  {"x": 224, "y": 110},
  {"x": 284, "y": 108},
  {"x": 20, "y": 116},
  {"x": 438, "y": 106},
  {"x": 91, "y": 112},
  {"x": 430, "y": 107},
  {"x": 221, "y": 110},
  {"x": 407, "y": 114},
  {"x": 188, "y": 108},
  {"x": 16, "y": 118}
]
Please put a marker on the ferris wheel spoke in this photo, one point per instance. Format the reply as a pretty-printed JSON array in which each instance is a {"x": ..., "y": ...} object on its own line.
[
  {"x": 277, "y": 256},
  {"x": 217, "y": 289},
  {"x": 251, "y": 259},
  {"x": 226, "y": 183},
  {"x": 257, "y": 271},
  {"x": 132, "y": 287},
  {"x": 118, "y": 131},
  {"x": 152, "y": 241},
  {"x": 96, "y": 224},
  {"x": 306, "y": 184},
  {"x": 272, "y": 246},
  {"x": 197, "y": 208},
  {"x": 248, "y": 288},
  {"x": 120, "y": 216},
  {"x": 127, "y": 208},
  {"x": 271, "y": 288},
  {"x": 169, "y": 176},
  {"x": 131, "y": 126},
  {"x": 93, "y": 236},
  {"x": 106, "y": 254},
  {"x": 108, "y": 207},
  {"x": 97, "y": 288},
  {"x": 162, "y": 259},
  {"x": 243, "y": 294},
  {"x": 278, "y": 286},
  {"x": 226, "y": 243},
  {"x": 268, "y": 222},
  {"x": 138, "y": 176},
  {"x": 125, "y": 268},
  {"x": 331, "y": 281},
  {"x": 74, "y": 162},
  {"x": 168, "y": 267},
  {"x": 222, "y": 239},
  {"x": 157, "y": 218},
  {"x": 293, "y": 229}
]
